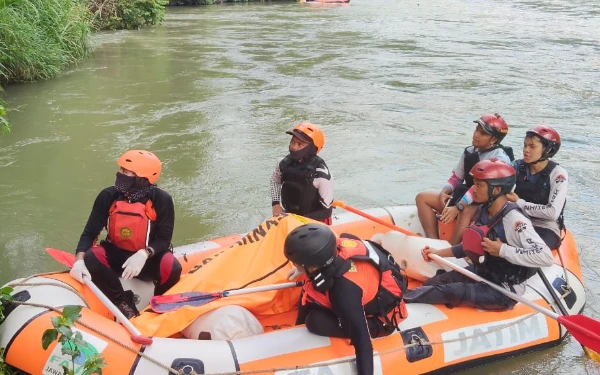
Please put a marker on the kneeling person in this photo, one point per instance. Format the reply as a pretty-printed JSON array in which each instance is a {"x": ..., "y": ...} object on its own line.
[
  {"x": 501, "y": 242},
  {"x": 354, "y": 291}
]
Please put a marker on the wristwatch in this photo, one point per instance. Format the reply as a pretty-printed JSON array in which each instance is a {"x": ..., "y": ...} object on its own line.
[{"x": 460, "y": 206}]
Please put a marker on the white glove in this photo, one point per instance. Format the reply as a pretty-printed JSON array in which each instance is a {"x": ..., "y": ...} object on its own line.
[
  {"x": 134, "y": 264},
  {"x": 79, "y": 270},
  {"x": 294, "y": 273}
]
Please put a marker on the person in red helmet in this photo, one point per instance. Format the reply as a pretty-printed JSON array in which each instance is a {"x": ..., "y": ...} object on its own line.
[
  {"x": 354, "y": 288},
  {"x": 541, "y": 188},
  {"x": 301, "y": 182},
  {"x": 455, "y": 198},
  {"x": 139, "y": 219},
  {"x": 501, "y": 243}
]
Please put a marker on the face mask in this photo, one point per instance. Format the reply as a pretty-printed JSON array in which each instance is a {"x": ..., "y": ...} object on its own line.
[
  {"x": 298, "y": 155},
  {"x": 124, "y": 183}
]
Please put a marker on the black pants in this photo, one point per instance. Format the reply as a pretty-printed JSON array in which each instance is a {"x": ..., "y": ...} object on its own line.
[
  {"x": 105, "y": 266},
  {"x": 455, "y": 289},
  {"x": 325, "y": 323},
  {"x": 549, "y": 237}
]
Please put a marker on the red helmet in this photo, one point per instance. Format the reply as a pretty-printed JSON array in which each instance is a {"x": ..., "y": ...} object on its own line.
[
  {"x": 493, "y": 124},
  {"x": 309, "y": 132},
  {"x": 142, "y": 163},
  {"x": 495, "y": 173},
  {"x": 549, "y": 138}
]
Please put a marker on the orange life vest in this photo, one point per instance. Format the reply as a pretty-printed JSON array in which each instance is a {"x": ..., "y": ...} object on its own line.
[
  {"x": 374, "y": 270},
  {"x": 129, "y": 224}
]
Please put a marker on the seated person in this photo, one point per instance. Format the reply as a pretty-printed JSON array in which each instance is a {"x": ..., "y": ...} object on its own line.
[
  {"x": 347, "y": 292},
  {"x": 513, "y": 249},
  {"x": 457, "y": 193},
  {"x": 301, "y": 183},
  {"x": 541, "y": 189},
  {"x": 139, "y": 218}
]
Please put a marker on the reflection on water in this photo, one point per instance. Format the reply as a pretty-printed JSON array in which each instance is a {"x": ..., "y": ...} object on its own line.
[{"x": 394, "y": 84}]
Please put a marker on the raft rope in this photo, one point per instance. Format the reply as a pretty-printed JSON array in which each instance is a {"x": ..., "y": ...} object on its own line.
[{"x": 187, "y": 370}]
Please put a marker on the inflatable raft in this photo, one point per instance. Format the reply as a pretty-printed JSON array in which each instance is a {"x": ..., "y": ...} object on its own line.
[
  {"x": 325, "y": 1},
  {"x": 433, "y": 339}
]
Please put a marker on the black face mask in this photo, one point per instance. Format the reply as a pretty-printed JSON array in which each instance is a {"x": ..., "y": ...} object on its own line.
[
  {"x": 303, "y": 153},
  {"x": 124, "y": 183}
]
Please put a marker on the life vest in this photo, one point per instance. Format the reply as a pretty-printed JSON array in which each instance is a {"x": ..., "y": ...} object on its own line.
[
  {"x": 298, "y": 194},
  {"x": 375, "y": 271},
  {"x": 490, "y": 267},
  {"x": 537, "y": 192},
  {"x": 129, "y": 224},
  {"x": 472, "y": 158}
]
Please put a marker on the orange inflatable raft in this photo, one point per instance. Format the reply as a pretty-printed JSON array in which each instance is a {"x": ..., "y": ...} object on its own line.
[{"x": 433, "y": 339}]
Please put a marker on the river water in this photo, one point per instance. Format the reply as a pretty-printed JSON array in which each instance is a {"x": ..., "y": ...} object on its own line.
[{"x": 395, "y": 85}]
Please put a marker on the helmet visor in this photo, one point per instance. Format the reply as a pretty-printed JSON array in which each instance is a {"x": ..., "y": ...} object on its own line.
[
  {"x": 299, "y": 134},
  {"x": 485, "y": 126}
]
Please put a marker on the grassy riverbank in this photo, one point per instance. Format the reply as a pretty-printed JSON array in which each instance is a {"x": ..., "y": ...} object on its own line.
[{"x": 39, "y": 39}]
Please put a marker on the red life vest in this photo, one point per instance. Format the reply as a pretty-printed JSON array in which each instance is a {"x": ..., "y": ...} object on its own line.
[
  {"x": 374, "y": 270},
  {"x": 129, "y": 224}
]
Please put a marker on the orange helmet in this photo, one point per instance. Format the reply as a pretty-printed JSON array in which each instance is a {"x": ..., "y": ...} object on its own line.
[
  {"x": 142, "y": 163},
  {"x": 309, "y": 132}
]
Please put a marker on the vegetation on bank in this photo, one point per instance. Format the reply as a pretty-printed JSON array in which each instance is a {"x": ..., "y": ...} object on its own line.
[
  {"x": 39, "y": 39},
  {"x": 4, "y": 125}
]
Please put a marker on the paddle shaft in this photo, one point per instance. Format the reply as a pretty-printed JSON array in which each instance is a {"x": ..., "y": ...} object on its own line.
[
  {"x": 343, "y": 205},
  {"x": 263, "y": 288},
  {"x": 68, "y": 260},
  {"x": 111, "y": 306},
  {"x": 498, "y": 288}
]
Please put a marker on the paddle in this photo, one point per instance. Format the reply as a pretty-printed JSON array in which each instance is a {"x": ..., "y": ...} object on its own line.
[
  {"x": 343, "y": 205},
  {"x": 584, "y": 329},
  {"x": 68, "y": 259},
  {"x": 563, "y": 310},
  {"x": 166, "y": 303}
]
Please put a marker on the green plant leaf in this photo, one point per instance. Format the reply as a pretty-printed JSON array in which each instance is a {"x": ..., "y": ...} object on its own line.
[
  {"x": 49, "y": 337},
  {"x": 71, "y": 314},
  {"x": 65, "y": 331},
  {"x": 56, "y": 321}
]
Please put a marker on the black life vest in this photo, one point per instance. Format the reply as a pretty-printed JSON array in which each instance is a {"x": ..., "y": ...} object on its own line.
[
  {"x": 537, "y": 192},
  {"x": 472, "y": 158},
  {"x": 495, "y": 269},
  {"x": 298, "y": 194}
]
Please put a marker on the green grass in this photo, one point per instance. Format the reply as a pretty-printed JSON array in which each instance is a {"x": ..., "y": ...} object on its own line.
[{"x": 40, "y": 38}]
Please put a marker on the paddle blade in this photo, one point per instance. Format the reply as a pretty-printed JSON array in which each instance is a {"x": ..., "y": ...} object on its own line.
[
  {"x": 172, "y": 302},
  {"x": 62, "y": 257},
  {"x": 584, "y": 329}
]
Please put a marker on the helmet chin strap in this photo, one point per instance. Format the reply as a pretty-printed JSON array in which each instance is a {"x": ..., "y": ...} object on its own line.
[{"x": 543, "y": 158}]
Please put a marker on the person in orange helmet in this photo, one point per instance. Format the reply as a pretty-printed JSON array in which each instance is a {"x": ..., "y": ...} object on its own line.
[
  {"x": 139, "y": 219},
  {"x": 301, "y": 183}
]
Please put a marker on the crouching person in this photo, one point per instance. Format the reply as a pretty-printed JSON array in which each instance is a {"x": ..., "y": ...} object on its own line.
[
  {"x": 501, "y": 242},
  {"x": 354, "y": 288}
]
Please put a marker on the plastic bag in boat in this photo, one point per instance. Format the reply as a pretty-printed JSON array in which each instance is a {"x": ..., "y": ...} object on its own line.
[
  {"x": 225, "y": 323},
  {"x": 257, "y": 259}
]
